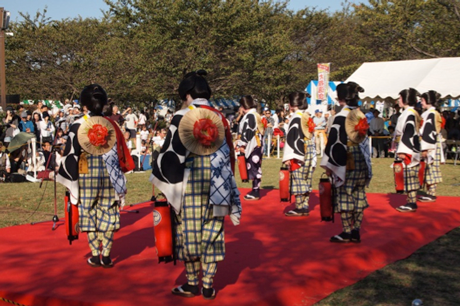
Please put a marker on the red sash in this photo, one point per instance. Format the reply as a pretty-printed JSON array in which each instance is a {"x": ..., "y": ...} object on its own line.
[{"x": 124, "y": 156}]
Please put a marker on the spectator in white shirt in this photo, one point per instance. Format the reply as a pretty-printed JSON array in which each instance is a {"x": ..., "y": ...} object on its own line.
[
  {"x": 144, "y": 133},
  {"x": 142, "y": 120},
  {"x": 46, "y": 129},
  {"x": 131, "y": 121}
]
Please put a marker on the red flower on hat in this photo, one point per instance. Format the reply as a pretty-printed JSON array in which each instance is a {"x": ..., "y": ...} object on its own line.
[
  {"x": 97, "y": 135},
  {"x": 362, "y": 127},
  {"x": 205, "y": 132},
  {"x": 311, "y": 125}
]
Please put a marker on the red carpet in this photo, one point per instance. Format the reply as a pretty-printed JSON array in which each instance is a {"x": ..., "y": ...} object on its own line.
[{"x": 271, "y": 259}]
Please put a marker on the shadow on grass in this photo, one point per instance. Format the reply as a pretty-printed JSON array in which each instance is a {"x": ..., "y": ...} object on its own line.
[{"x": 430, "y": 274}]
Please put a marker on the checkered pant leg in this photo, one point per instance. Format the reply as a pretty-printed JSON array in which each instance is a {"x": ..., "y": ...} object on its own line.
[
  {"x": 94, "y": 243},
  {"x": 412, "y": 197},
  {"x": 95, "y": 239},
  {"x": 411, "y": 178},
  {"x": 432, "y": 189},
  {"x": 358, "y": 219},
  {"x": 433, "y": 174},
  {"x": 209, "y": 271},
  {"x": 192, "y": 268},
  {"x": 347, "y": 220},
  {"x": 107, "y": 240},
  {"x": 301, "y": 201}
]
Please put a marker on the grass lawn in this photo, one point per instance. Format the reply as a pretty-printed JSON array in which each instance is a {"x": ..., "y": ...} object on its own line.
[{"x": 431, "y": 274}]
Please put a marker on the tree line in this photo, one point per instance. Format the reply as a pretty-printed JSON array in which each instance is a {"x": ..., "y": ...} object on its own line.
[{"x": 140, "y": 49}]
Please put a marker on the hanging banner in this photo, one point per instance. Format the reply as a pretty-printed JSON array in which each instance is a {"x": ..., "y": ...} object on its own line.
[{"x": 323, "y": 81}]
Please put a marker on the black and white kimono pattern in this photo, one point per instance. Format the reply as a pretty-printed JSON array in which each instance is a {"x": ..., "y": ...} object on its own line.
[
  {"x": 170, "y": 175},
  {"x": 248, "y": 129},
  {"x": 252, "y": 139},
  {"x": 335, "y": 153},
  {"x": 430, "y": 138},
  {"x": 294, "y": 147},
  {"x": 409, "y": 142}
]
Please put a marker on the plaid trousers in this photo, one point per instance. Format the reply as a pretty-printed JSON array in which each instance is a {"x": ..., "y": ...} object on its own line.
[
  {"x": 200, "y": 236},
  {"x": 302, "y": 177},
  {"x": 97, "y": 208},
  {"x": 351, "y": 196},
  {"x": 433, "y": 171}
]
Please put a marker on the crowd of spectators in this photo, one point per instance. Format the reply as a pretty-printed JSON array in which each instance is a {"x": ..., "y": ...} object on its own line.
[{"x": 50, "y": 128}]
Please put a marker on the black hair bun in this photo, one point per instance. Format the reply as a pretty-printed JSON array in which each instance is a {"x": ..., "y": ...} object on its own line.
[{"x": 201, "y": 72}]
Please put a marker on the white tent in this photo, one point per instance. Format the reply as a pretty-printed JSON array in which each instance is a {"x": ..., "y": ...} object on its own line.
[{"x": 386, "y": 79}]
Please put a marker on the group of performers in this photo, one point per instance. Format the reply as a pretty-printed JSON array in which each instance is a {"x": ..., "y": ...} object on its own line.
[
  {"x": 419, "y": 144},
  {"x": 195, "y": 169}
]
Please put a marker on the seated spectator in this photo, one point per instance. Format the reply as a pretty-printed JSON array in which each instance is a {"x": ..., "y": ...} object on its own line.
[
  {"x": 11, "y": 122},
  {"x": 144, "y": 148},
  {"x": 161, "y": 140},
  {"x": 50, "y": 162},
  {"x": 144, "y": 133},
  {"x": 18, "y": 158},
  {"x": 26, "y": 125},
  {"x": 38, "y": 164},
  {"x": 5, "y": 165},
  {"x": 129, "y": 142}
]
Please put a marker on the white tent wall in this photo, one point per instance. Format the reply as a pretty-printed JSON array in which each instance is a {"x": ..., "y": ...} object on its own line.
[{"x": 384, "y": 80}]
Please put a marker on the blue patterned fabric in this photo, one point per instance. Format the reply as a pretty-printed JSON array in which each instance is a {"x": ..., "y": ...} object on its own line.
[
  {"x": 117, "y": 177},
  {"x": 364, "y": 147},
  {"x": 221, "y": 176}
]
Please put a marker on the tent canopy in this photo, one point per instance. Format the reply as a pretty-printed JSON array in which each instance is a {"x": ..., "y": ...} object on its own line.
[{"x": 387, "y": 79}]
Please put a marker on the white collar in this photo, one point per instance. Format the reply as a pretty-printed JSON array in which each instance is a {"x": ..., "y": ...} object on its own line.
[{"x": 200, "y": 101}]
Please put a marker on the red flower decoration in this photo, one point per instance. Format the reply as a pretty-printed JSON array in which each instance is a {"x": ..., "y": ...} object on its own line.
[
  {"x": 311, "y": 125},
  {"x": 205, "y": 132},
  {"x": 362, "y": 127},
  {"x": 97, "y": 135}
]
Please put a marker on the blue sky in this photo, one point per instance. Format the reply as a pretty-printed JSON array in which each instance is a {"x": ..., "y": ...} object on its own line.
[{"x": 60, "y": 9}]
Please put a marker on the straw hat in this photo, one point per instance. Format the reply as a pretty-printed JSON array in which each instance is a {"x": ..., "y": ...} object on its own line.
[
  {"x": 438, "y": 119},
  {"x": 260, "y": 124},
  {"x": 96, "y": 135},
  {"x": 304, "y": 122},
  {"x": 356, "y": 126},
  {"x": 201, "y": 131}
]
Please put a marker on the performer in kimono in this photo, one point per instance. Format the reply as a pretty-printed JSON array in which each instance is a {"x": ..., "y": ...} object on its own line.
[
  {"x": 95, "y": 159},
  {"x": 347, "y": 161},
  {"x": 300, "y": 153},
  {"x": 250, "y": 142},
  {"x": 408, "y": 147},
  {"x": 431, "y": 144},
  {"x": 194, "y": 170}
]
